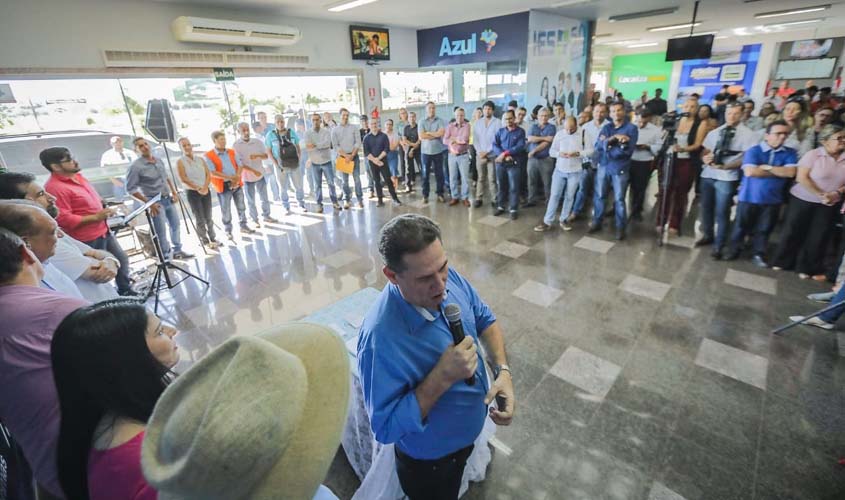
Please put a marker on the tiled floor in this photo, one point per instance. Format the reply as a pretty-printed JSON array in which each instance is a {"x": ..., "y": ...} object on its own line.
[{"x": 642, "y": 372}]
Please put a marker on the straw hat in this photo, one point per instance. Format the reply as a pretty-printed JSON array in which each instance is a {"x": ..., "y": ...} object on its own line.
[{"x": 257, "y": 418}]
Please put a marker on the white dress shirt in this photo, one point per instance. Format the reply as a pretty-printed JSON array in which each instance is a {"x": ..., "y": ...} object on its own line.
[
  {"x": 483, "y": 134},
  {"x": 652, "y": 136},
  {"x": 245, "y": 149},
  {"x": 71, "y": 260},
  {"x": 56, "y": 280},
  {"x": 564, "y": 142},
  {"x": 744, "y": 139},
  {"x": 590, "y": 135}
]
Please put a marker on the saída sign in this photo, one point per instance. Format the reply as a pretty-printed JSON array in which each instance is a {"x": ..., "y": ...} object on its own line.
[{"x": 503, "y": 38}]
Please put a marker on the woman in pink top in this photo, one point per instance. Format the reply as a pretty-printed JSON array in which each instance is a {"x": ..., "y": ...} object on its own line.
[
  {"x": 813, "y": 203},
  {"x": 111, "y": 362}
]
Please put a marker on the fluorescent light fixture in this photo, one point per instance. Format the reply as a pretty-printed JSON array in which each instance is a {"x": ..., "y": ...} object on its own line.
[
  {"x": 568, "y": 3},
  {"x": 638, "y": 45},
  {"x": 645, "y": 13},
  {"x": 701, "y": 33},
  {"x": 602, "y": 35},
  {"x": 619, "y": 42},
  {"x": 791, "y": 12},
  {"x": 794, "y": 23},
  {"x": 674, "y": 27},
  {"x": 347, "y": 4}
]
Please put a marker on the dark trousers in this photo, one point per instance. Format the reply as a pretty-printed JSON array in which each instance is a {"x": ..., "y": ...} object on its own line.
[
  {"x": 805, "y": 234},
  {"x": 109, "y": 243},
  {"x": 640, "y": 175},
  {"x": 716, "y": 200},
  {"x": 410, "y": 163},
  {"x": 683, "y": 177},
  {"x": 438, "y": 479},
  {"x": 201, "y": 208},
  {"x": 428, "y": 162},
  {"x": 755, "y": 220},
  {"x": 508, "y": 179},
  {"x": 382, "y": 174}
]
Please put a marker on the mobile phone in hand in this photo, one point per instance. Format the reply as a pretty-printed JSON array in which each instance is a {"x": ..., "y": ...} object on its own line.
[{"x": 501, "y": 402}]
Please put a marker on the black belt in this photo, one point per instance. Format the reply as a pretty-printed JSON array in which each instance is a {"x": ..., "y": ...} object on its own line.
[
  {"x": 434, "y": 461},
  {"x": 459, "y": 154}
]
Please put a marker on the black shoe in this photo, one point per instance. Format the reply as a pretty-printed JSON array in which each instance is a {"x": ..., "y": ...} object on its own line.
[
  {"x": 703, "y": 242},
  {"x": 477, "y": 203},
  {"x": 594, "y": 228},
  {"x": 620, "y": 234},
  {"x": 425, "y": 201},
  {"x": 246, "y": 229},
  {"x": 529, "y": 204},
  {"x": 380, "y": 203},
  {"x": 514, "y": 215},
  {"x": 230, "y": 236},
  {"x": 759, "y": 261},
  {"x": 499, "y": 211},
  {"x": 716, "y": 254},
  {"x": 731, "y": 255}
]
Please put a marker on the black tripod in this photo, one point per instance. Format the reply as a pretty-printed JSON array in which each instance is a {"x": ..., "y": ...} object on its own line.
[
  {"x": 780, "y": 330},
  {"x": 163, "y": 264},
  {"x": 668, "y": 160}
]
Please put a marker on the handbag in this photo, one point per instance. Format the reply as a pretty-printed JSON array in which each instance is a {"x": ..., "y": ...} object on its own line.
[{"x": 287, "y": 150}]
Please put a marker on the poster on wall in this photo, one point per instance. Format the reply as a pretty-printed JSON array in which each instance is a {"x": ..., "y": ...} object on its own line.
[
  {"x": 706, "y": 77},
  {"x": 502, "y": 38},
  {"x": 632, "y": 74},
  {"x": 557, "y": 61}
]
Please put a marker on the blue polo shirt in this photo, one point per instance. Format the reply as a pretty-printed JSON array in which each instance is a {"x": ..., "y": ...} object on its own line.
[
  {"x": 766, "y": 190},
  {"x": 618, "y": 156},
  {"x": 548, "y": 130},
  {"x": 272, "y": 141},
  {"x": 397, "y": 348},
  {"x": 512, "y": 141}
]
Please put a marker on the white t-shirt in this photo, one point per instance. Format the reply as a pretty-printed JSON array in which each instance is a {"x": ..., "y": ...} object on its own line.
[
  {"x": 70, "y": 260},
  {"x": 112, "y": 157},
  {"x": 245, "y": 149},
  {"x": 650, "y": 135},
  {"x": 564, "y": 142}
]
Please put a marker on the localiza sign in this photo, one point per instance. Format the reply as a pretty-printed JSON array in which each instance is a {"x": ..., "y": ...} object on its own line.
[{"x": 503, "y": 38}]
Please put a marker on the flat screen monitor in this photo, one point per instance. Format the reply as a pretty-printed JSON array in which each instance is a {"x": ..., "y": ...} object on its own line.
[
  {"x": 370, "y": 43},
  {"x": 691, "y": 47}
]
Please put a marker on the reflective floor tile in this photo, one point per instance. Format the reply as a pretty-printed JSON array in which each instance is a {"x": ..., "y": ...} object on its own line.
[
  {"x": 537, "y": 293},
  {"x": 645, "y": 287},
  {"x": 586, "y": 371},
  {"x": 731, "y": 362},
  {"x": 594, "y": 245},
  {"x": 510, "y": 249},
  {"x": 762, "y": 284}
]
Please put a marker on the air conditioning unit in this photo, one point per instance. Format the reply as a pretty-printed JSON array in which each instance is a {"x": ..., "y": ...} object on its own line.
[{"x": 199, "y": 29}]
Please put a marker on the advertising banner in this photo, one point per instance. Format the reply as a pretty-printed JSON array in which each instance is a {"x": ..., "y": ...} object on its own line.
[
  {"x": 637, "y": 72},
  {"x": 557, "y": 61},
  {"x": 503, "y": 38},
  {"x": 705, "y": 77}
]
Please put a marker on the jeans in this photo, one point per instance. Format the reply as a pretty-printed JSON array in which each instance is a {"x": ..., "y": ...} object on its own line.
[
  {"x": 486, "y": 177},
  {"x": 410, "y": 171},
  {"x": 435, "y": 160},
  {"x": 564, "y": 184},
  {"x": 585, "y": 188},
  {"x": 508, "y": 179},
  {"x": 110, "y": 244},
  {"x": 327, "y": 170},
  {"x": 716, "y": 200},
  {"x": 201, "y": 208},
  {"x": 445, "y": 155},
  {"x": 393, "y": 163},
  {"x": 459, "y": 166},
  {"x": 540, "y": 171},
  {"x": 834, "y": 314},
  {"x": 169, "y": 215},
  {"x": 401, "y": 152},
  {"x": 356, "y": 177},
  {"x": 270, "y": 175},
  {"x": 619, "y": 182},
  {"x": 261, "y": 186},
  {"x": 292, "y": 176},
  {"x": 438, "y": 479},
  {"x": 225, "y": 198},
  {"x": 756, "y": 220}
]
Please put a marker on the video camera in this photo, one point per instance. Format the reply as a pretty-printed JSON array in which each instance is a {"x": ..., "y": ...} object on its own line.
[
  {"x": 670, "y": 120},
  {"x": 723, "y": 150}
]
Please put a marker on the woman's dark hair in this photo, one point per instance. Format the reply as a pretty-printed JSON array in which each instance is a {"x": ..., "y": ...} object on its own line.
[
  {"x": 101, "y": 366},
  {"x": 709, "y": 108}
]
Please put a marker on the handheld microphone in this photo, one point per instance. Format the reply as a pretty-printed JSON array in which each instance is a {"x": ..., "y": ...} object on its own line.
[{"x": 453, "y": 317}]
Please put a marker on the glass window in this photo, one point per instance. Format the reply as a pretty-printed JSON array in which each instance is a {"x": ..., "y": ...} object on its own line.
[
  {"x": 415, "y": 88},
  {"x": 475, "y": 86}
]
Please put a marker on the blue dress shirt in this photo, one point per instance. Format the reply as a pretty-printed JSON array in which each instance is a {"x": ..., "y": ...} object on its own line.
[
  {"x": 548, "y": 131},
  {"x": 397, "y": 348},
  {"x": 617, "y": 157},
  {"x": 766, "y": 190},
  {"x": 512, "y": 141}
]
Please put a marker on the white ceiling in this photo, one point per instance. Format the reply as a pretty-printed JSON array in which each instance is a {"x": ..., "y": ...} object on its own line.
[{"x": 716, "y": 15}]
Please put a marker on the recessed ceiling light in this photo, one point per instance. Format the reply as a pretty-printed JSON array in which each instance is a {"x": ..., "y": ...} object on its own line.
[
  {"x": 790, "y": 12},
  {"x": 347, "y": 4},
  {"x": 645, "y": 13},
  {"x": 638, "y": 45},
  {"x": 675, "y": 27},
  {"x": 794, "y": 23}
]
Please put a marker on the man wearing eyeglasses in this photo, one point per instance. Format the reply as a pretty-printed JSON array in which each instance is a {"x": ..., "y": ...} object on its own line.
[{"x": 767, "y": 167}]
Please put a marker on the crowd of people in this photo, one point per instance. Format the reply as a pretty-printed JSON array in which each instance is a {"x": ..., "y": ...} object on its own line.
[{"x": 86, "y": 369}]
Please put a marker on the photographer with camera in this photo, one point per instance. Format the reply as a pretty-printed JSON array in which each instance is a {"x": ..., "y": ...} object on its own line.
[
  {"x": 616, "y": 141},
  {"x": 723, "y": 149}
]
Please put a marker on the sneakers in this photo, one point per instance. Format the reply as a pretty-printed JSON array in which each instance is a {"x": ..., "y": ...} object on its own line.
[
  {"x": 441, "y": 199},
  {"x": 499, "y": 211},
  {"x": 347, "y": 205},
  {"x": 270, "y": 219},
  {"x": 759, "y": 261},
  {"x": 542, "y": 227},
  {"x": 336, "y": 206},
  {"x": 814, "y": 321},
  {"x": 566, "y": 226},
  {"x": 246, "y": 229},
  {"x": 823, "y": 297},
  {"x": 514, "y": 215},
  {"x": 731, "y": 255},
  {"x": 703, "y": 242}
]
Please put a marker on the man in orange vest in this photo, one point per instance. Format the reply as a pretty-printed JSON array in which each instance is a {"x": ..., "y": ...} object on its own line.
[{"x": 225, "y": 168}]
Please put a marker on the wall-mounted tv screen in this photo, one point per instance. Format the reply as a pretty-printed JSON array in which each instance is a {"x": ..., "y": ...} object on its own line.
[
  {"x": 805, "y": 68},
  {"x": 810, "y": 49},
  {"x": 691, "y": 47},
  {"x": 370, "y": 43}
]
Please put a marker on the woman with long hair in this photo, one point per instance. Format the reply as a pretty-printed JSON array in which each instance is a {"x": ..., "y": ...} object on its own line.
[
  {"x": 813, "y": 204},
  {"x": 111, "y": 362},
  {"x": 802, "y": 135},
  {"x": 687, "y": 150},
  {"x": 707, "y": 117}
]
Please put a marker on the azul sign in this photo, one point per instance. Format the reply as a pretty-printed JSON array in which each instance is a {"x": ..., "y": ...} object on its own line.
[{"x": 474, "y": 41}]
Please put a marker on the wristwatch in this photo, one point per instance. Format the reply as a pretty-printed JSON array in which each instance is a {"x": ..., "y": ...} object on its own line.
[{"x": 499, "y": 369}]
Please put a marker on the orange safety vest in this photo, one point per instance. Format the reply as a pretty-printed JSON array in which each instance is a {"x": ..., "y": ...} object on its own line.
[{"x": 218, "y": 166}]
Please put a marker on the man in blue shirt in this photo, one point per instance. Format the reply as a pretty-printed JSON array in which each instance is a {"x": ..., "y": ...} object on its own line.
[
  {"x": 540, "y": 165},
  {"x": 509, "y": 150},
  {"x": 768, "y": 168},
  {"x": 616, "y": 142},
  {"x": 413, "y": 377},
  {"x": 432, "y": 130}
]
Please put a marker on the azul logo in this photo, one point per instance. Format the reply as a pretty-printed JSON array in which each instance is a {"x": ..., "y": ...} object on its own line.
[{"x": 468, "y": 46}]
